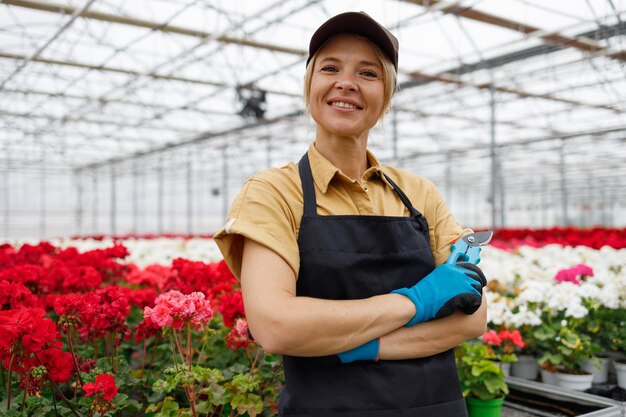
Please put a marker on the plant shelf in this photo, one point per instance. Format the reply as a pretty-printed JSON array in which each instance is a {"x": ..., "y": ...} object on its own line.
[{"x": 530, "y": 398}]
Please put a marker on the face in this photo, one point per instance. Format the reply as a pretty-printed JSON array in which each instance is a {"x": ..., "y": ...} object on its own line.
[{"x": 347, "y": 89}]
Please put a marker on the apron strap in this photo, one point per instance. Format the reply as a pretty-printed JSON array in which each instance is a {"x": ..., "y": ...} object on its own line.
[
  {"x": 310, "y": 201},
  {"x": 421, "y": 220},
  {"x": 308, "y": 191}
]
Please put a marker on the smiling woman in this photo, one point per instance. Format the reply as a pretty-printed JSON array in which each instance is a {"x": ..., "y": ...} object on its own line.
[
  {"x": 346, "y": 90},
  {"x": 342, "y": 272}
]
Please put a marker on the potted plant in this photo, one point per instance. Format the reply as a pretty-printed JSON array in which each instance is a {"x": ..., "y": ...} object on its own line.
[
  {"x": 611, "y": 323},
  {"x": 502, "y": 346},
  {"x": 482, "y": 381},
  {"x": 565, "y": 349},
  {"x": 605, "y": 327}
]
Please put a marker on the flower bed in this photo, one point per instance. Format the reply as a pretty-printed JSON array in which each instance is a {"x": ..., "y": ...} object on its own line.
[
  {"x": 86, "y": 333},
  {"x": 157, "y": 327}
]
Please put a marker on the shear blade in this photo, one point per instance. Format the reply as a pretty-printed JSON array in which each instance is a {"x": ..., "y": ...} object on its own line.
[{"x": 478, "y": 238}]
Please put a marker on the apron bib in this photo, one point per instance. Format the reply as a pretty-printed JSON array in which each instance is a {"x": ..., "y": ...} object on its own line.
[{"x": 345, "y": 257}]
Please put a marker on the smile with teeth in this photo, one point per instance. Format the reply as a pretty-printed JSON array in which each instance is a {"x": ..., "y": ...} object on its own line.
[{"x": 343, "y": 105}]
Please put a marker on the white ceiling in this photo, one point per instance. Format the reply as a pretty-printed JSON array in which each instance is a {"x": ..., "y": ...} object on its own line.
[{"x": 90, "y": 82}]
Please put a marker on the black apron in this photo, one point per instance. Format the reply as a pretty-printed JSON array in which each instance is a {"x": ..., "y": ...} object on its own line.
[{"x": 345, "y": 257}]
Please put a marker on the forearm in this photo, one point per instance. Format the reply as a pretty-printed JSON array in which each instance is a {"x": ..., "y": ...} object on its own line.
[
  {"x": 317, "y": 327},
  {"x": 433, "y": 337},
  {"x": 282, "y": 322}
]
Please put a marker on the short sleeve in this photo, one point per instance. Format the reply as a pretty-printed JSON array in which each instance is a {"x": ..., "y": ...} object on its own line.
[
  {"x": 444, "y": 228},
  {"x": 260, "y": 213}
]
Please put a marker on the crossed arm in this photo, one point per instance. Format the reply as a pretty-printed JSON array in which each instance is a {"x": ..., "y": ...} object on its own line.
[{"x": 283, "y": 323}]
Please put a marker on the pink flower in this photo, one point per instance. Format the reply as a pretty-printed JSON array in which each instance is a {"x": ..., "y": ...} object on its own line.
[
  {"x": 574, "y": 274},
  {"x": 514, "y": 336},
  {"x": 492, "y": 338},
  {"x": 160, "y": 315},
  {"x": 175, "y": 309}
]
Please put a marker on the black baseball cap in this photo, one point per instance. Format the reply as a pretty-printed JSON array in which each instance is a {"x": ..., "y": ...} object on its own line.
[{"x": 359, "y": 23}]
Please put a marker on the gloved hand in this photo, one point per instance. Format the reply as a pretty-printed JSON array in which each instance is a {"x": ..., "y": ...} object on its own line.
[
  {"x": 447, "y": 288},
  {"x": 365, "y": 352}
]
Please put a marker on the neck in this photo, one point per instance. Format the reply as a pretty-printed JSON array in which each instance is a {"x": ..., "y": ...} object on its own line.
[{"x": 349, "y": 154}]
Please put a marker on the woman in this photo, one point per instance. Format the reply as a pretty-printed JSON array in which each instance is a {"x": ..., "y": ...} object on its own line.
[{"x": 337, "y": 263}]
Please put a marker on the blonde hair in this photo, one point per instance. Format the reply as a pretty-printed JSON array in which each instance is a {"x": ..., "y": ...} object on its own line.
[{"x": 389, "y": 76}]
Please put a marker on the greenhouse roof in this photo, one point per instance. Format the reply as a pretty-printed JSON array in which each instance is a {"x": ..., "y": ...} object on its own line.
[{"x": 98, "y": 83}]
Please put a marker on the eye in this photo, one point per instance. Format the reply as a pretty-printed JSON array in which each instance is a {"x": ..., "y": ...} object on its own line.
[
  {"x": 369, "y": 74},
  {"x": 329, "y": 68}
]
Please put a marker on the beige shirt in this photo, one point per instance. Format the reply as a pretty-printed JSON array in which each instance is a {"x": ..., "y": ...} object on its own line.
[{"x": 269, "y": 207}]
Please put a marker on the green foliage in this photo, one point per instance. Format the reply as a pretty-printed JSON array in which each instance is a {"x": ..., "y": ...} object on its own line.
[
  {"x": 480, "y": 377},
  {"x": 154, "y": 382},
  {"x": 606, "y": 327},
  {"x": 563, "y": 343}
]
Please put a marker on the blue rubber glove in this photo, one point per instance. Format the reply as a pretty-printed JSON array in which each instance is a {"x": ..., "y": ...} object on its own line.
[
  {"x": 365, "y": 352},
  {"x": 446, "y": 288}
]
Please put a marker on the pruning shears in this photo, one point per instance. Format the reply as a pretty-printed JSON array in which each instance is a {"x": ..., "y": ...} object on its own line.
[{"x": 467, "y": 249}]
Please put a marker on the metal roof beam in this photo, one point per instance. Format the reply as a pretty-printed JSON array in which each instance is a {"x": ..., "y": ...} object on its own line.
[
  {"x": 197, "y": 139},
  {"x": 525, "y": 142},
  {"x": 71, "y": 119},
  {"x": 133, "y": 73},
  {"x": 454, "y": 79},
  {"x": 107, "y": 101},
  {"x": 581, "y": 43},
  {"x": 165, "y": 28},
  {"x": 604, "y": 32}
]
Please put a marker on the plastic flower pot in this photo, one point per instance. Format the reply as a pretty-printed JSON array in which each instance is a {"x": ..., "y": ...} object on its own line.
[
  {"x": 548, "y": 377},
  {"x": 599, "y": 367},
  {"x": 526, "y": 367},
  {"x": 506, "y": 368},
  {"x": 578, "y": 382},
  {"x": 484, "y": 408},
  {"x": 620, "y": 370}
]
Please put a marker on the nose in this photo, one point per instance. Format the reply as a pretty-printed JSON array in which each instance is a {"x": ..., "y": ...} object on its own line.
[{"x": 346, "y": 82}]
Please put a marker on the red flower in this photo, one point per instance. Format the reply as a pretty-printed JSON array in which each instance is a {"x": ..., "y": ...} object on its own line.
[
  {"x": 59, "y": 364},
  {"x": 24, "y": 273},
  {"x": 492, "y": 338},
  {"x": 42, "y": 333},
  {"x": 104, "y": 385},
  {"x": 104, "y": 311},
  {"x": 26, "y": 327},
  {"x": 15, "y": 295},
  {"x": 514, "y": 336},
  {"x": 68, "y": 304},
  {"x": 146, "y": 329},
  {"x": 231, "y": 307},
  {"x": 238, "y": 336},
  {"x": 29, "y": 254}
]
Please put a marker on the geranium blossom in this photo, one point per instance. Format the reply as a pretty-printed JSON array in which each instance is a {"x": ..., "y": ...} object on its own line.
[
  {"x": 174, "y": 309},
  {"x": 15, "y": 295},
  {"x": 238, "y": 338},
  {"x": 231, "y": 307},
  {"x": 25, "y": 331},
  {"x": 525, "y": 316},
  {"x": 512, "y": 335},
  {"x": 92, "y": 286},
  {"x": 59, "y": 364},
  {"x": 574, "y": 274},
  {"x": 104, "y": 385},
  {"x": 492, "y": 338}
]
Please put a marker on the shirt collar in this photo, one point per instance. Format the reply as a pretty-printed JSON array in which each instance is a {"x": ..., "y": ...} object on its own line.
[{"x": 324, "y": 171}]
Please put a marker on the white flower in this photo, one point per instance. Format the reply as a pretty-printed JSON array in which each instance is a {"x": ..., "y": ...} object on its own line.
[
  {"x": 576, "y": 310},
  {"x": 525, "y": 317},
  {"x": 533, "y": 292}
]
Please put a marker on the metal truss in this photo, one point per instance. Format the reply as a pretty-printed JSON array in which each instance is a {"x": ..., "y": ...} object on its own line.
[{"x": 142, "y": 87}]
